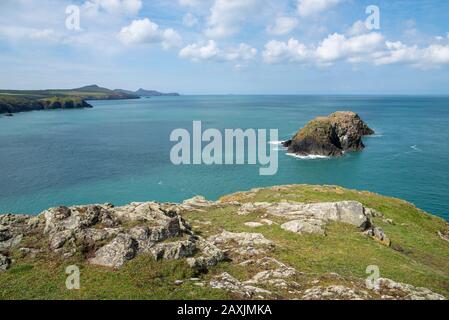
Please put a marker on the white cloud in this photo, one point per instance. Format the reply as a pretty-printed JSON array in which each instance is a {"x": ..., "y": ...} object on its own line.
[
  {"x": 145, "y": 31},
  {"x": 26, "y": 33},
  {"x": 308, "y": 8},
  {"x": 428, "y": 57},
  {"x": 369, "y": 48},
  {"x": 211, "y": 52},
  {"x": 191, "y": 3},
  {"x": 290, "y": 51},
  {"x": 339, "y": 47},
  {"x": 127, "y": 7},
  {"x": 282, "y": 26},
  {"x": 227, "y": 16},
  {"x": 190, "y": 20},
  {"x": 359, "y": 27}
]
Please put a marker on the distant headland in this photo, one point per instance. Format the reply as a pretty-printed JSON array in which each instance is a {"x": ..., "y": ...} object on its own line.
[{"x": 13, "y": 101}]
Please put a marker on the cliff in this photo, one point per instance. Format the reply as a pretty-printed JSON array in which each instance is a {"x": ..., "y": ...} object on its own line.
[
  {"x": 330, "y": 136},
  {"x": 286, "y": 242}
]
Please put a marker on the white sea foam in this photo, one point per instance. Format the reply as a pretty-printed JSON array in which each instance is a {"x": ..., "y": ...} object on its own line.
[
  {"x": 309, "y": 157},
  {"x": 416, "y": 148},
  {"x": 276, "y": 143}
]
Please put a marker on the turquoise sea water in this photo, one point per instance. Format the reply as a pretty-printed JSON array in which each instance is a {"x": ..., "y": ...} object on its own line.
[{"x": 119, "y": 151}]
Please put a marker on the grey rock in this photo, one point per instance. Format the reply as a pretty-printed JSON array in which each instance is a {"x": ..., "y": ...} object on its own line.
[
  {"x": 227, "y": 282},
  {"x": 400, "y": 291},
  {"x": 5, "y": 263},
  {"x": 173, "y": 250},
  {"x": 123, "y": 248},
  {"x": 253, "y": 224},
  {"x": 301, "y": 227},
  {"x": 242, "y": 243},
  {"x": 335, "y": 292}
]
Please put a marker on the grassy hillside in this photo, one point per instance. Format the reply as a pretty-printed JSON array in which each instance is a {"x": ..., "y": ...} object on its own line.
[
  {"x": 417, "y": 256},
  {"x": 12, "y": 101}
]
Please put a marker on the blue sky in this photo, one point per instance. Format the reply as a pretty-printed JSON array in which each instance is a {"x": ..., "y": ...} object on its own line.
[{"x": 227, "y": 46}]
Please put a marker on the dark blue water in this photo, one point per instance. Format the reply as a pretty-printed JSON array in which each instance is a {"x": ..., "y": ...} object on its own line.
[{"x": 119, "y": 151}]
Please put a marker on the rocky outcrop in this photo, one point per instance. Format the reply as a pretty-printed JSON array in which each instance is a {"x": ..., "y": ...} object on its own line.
[
  {"x": 110, "y": 236},
  {"x": 311, "y": 218},
  {"x": 330, "y": 136}
]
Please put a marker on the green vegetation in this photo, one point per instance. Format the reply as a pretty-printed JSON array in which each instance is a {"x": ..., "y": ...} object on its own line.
[
  {"x": 418, "y": 256},
  {"x": 12, "y": 101}
]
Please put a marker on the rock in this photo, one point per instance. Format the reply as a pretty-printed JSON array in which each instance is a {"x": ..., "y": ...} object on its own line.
[
  {"x": 334, "y": 292},
  {"x": 301, "y": 227},
  {"x": 390, "y": 289},
  {"x": 444, "y": 235},
  {"x": 5, "y": 233},
  {"x": 253, "y": 224},
  {"x": 197, "y": 203},
  {"x": 379, "y": 235},
  {"x": 210, "y": 256},
  {"x": 330, "y": 136},
  {"x": 276, "y": 273},
  {"x": 242, "y": 243},
  {"x": 173, "y": 250},
  {"x": 267, "y": 222},
  {"x": 116, "y": 253},
  {"x": 58, "y": 239},
  {"x": 372, "y": 213},
  {"x": 5, "y": 263},
  {"x": 227, "y": 282}
]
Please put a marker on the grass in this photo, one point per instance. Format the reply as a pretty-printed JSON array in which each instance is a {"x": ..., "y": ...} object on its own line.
[{"x": 418, "y": 256}]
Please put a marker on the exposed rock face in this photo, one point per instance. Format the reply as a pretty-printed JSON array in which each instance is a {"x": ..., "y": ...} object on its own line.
[
  {"x": 392, "y": 290},
  {"x": 227, "y": 282},
  {"x": 334, "y": 292},
  {"x": 312, "y": 218},
  {"x": 106, "y": 235},
  {"x": 330, "y": 136},
  {"x": 245, "y": 244}
]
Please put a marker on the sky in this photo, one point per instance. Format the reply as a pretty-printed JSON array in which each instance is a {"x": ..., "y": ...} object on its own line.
[{"x": 227, "y": 46}]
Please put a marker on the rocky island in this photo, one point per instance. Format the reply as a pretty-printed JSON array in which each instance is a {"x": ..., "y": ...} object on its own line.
[
  {"x": 330, "y": 136},
  {"x": 284, "y": 242}
]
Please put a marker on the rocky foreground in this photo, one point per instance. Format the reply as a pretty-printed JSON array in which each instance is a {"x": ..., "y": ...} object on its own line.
[
  {"x": 328, "y": 136},
  {"x": 262, "y": 244}
]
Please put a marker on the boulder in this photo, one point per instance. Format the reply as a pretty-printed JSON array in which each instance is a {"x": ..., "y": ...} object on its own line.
[
  {"x": 5, "y": 262},
  {"x": 301, "y": 227},
  {"x": 242, "y": 243},
  {"x": 116, "y": 253},
  {"x": 227, "y": 282}
]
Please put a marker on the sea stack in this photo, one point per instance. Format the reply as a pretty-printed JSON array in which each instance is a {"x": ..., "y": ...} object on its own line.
[{"x": 330, "y": 136}]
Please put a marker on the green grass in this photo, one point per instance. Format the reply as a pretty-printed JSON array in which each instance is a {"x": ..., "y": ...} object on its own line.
[{"x": 417, "y": 255}]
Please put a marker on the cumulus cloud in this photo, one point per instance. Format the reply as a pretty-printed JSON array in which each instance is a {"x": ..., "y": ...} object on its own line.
[
  {"x": 210, "y": 51},
  {"x": 282, "y": 26},
  {"x": 359, "y": 27},
  {"x": 227, "y": 16},
  {"x": 144, "y": 31},
  {"x": 363, "y": 48},
  {"x": 428, "y": 57},
  {"x": 308, "y": 8}
]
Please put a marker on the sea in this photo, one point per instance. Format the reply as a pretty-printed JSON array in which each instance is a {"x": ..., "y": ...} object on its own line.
[{"x": 119, "y": 151}]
